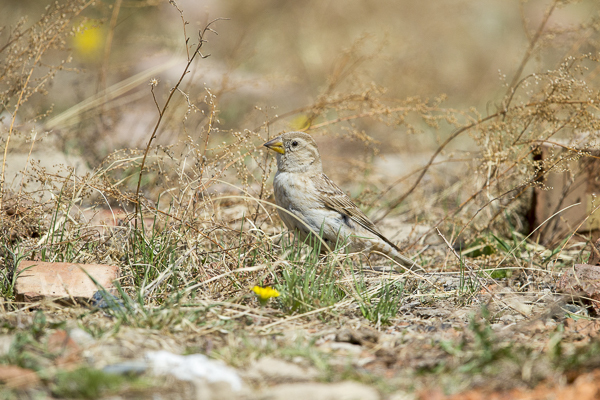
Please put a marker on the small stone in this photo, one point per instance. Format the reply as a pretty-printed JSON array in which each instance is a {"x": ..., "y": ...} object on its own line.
[
  {"x": 270, "y": 368},
  {"x": 38, "y": 280},
  {"x": 508, "y": 319},
  {"x": 350, "y": 348},
  {"x": 574, "y": 309},
  {"x": 517, "y": 304},
  {"x": 425, "y": 312},
  {"x": 107, "y": 301},
  {"x": 126, "y": 368},
  {"x": 322, "y": 391},
  {"x": 81, "y": 337},
  {"x": 361, "y": 336},
  {"x": 206, "y": 390},
  {"x": 193, "y": 367},
  {"x": 402, "y": 396},
  {"x": 5, "y": 343},
  {"x": 361, "y": 362}
]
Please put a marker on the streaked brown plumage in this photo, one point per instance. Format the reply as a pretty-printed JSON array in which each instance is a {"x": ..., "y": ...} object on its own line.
[{"x": 315, "y": 203}]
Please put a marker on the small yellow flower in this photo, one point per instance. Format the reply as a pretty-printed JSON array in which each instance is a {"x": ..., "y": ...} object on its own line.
[
  {"x": 88, "y": 41},
  {"x": 264, "y": 293},
  {"x": 300, "y": 123}
]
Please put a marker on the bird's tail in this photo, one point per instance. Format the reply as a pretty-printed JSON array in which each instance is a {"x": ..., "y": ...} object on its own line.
[{"x": 394, "y": 252}]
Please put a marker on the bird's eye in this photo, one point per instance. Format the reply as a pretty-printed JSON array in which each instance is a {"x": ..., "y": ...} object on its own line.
[{"x": 295, "y": 143}]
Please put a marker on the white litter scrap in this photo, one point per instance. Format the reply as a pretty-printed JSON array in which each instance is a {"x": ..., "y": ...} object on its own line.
[{"x": 192, "y": 367}]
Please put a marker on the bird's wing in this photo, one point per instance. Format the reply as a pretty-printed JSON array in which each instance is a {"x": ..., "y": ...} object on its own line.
[{"x": 335, "y": 199}]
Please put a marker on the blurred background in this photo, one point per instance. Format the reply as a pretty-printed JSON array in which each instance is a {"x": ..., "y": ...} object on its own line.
[
  {"x": 294, "y": 64},
  {"x": 278, "y": 55}
]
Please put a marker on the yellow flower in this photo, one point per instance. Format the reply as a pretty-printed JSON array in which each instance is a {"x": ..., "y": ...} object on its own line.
[
  {"x": 88, "y": 41},
  {"x": 264, "y": 293},
  {"x": 300, "y": 123}
]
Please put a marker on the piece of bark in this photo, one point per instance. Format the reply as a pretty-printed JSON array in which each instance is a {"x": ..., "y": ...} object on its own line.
[
  {"x": 576, "y": 185},
  {"x": 38, "y": 280},
  {"x": 582, "y": 282}
]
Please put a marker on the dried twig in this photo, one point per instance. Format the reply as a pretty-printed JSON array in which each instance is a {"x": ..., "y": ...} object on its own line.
[{"x": 201, "y": 41}]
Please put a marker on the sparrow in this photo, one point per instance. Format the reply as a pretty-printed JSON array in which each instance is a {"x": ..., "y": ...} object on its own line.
[{"x": 310, "y": 202}]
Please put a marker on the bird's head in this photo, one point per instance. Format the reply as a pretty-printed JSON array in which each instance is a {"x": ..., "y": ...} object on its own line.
[{"x": 296, "y": 152}]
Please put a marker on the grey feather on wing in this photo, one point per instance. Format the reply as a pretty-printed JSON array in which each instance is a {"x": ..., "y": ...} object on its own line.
[{"x": 335, "y": 199}]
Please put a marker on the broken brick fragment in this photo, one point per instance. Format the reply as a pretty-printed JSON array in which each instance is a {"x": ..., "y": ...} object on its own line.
[
  {"x": 46, "y": 280},
  {"x": 17, "y": 377},
  {"x": 66, "y": 350}
]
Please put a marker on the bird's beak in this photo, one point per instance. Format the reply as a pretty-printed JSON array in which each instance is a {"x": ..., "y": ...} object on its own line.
[{"x": 275, "y": 145}]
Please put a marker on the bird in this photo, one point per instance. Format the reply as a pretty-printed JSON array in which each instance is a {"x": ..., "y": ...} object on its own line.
[{"x": 308, "y": 201}]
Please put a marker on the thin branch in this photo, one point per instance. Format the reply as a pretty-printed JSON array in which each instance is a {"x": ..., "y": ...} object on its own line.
[
  {"x": 201, "y": 42},
  {"x": 108, "y": 46},
  {"x": 22, "y": 97},
  {"x": 457, "y": 133},
  {"x": 515, "y": 81}
]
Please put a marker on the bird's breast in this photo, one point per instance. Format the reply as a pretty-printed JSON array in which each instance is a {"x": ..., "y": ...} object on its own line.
[{"x": 293, "y": 191}]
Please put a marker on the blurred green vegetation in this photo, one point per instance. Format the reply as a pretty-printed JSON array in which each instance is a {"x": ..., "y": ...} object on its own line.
[{"x": 281, "y": 55}]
